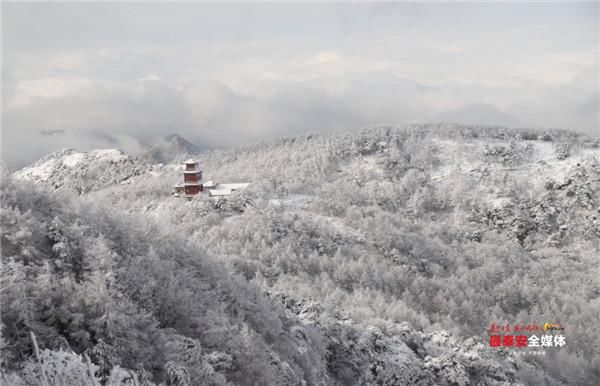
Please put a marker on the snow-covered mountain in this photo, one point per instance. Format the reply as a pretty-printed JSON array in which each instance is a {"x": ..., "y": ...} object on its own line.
[
  {"x": 96, "y": 169},
  {"x": 171, "y": 147},
  {"x": 379, "y": 257},
  {"x": 82, "y": 171}
]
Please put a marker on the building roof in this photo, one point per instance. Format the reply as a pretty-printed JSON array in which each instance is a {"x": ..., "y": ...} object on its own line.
[
  {"x": 192, "y": 171},
  {"x": 209, "y": 184},
  {"x": 224, "y": 189},
  {"x": 233, "y": 186},
  {"x": 190, "y": 161},
  {"x": 219, "y": 192}
]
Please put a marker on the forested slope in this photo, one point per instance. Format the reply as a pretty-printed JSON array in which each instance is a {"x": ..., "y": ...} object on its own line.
[{"x": 378, "y": 257}]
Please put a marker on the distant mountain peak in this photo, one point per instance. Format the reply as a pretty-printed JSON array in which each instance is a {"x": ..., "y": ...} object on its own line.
[
  {"x": 169, "y": 148},
  {"x": 176, "y": 138}
]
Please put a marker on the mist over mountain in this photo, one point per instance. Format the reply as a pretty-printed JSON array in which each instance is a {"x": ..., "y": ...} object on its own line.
[
  {"x": 378, "y": 257},
  {"x": 478, "y": 113},
  {"x": 225, "y": 76},
  {"x": 171, "y": 147}
]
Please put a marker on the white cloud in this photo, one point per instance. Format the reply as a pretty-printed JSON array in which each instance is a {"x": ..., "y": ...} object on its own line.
[
  {"x": 70, "y": 61},
  {"x": 326, "y": 57},
  {"x": 223, "y": 75},
  {"x": 52, "y": 87}
]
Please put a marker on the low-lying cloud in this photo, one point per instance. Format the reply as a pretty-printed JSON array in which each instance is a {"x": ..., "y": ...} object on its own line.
[
  {"x": 230, "y": 75},
  {"x": 134, "y": 115}
]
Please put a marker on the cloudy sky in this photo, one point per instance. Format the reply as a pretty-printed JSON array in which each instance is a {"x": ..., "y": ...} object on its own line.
[{"x": 123, "y": 75}]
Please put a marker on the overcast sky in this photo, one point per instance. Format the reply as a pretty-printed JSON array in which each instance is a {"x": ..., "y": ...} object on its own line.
[{"x": 123, "y": 75}]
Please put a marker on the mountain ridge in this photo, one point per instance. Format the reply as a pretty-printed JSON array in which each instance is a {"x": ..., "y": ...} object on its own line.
[{"x": 385, "y": 254}]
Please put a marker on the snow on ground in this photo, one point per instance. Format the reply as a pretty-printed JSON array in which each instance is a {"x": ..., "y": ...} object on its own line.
[
  {"x": 465, "y": 158},
  {"x": 299, "y": 204},
  {"x": 546, "y": 167},
  {"x": 367, "y": 164},
  {"x": 456, "y": 157},
  {"x": 544, "y": 151},
  {"x": 498, "y": 202},
  {"x": 338, "y": 225},
  {"x": 73, "y": 159},
  {"x": 39, "y": 172},
  {"x": 297, "y": 201},
  {"x": 559, "y": 169},
  {"x": 108, "y": 154},
  {"x": 59, "y": 161}
]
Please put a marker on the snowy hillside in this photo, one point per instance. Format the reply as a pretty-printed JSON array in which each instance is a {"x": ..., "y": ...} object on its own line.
[
  {"x": 82, "y": 171},
  {"x": 379, "y": 257}
]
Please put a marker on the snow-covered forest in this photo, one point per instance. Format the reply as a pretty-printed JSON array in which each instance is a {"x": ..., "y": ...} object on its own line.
[{"x": 372, "y": 258}]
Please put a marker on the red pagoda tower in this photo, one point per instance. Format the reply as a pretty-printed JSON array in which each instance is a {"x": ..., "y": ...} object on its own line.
[{"x": 192, "y": 178}]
